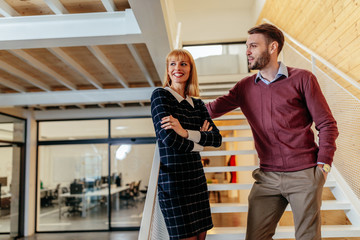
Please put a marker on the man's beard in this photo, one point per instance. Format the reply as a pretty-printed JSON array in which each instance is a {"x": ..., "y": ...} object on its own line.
[{"x": 261, "y": 62}]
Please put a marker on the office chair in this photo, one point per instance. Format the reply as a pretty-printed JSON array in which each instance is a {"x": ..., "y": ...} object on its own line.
[
  {"x": 55, "y": 195},
  {"x": 144, "y": 191},
  {"x": 128, "y": 196},
  {"x": 137, "y": 189},
  {"x": 73, "y": 203}
]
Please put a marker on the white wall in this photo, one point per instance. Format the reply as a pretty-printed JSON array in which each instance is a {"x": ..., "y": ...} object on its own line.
[{"x": 216, "y": 21}]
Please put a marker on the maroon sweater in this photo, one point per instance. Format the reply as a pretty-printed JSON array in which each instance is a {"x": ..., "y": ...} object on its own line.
[{"x": 281, "y": 115}]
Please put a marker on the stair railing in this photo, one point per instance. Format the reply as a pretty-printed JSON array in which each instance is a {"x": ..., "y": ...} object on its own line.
[
  {"x": 152, "y": 222},
  {"x": 344, "y": 106}
]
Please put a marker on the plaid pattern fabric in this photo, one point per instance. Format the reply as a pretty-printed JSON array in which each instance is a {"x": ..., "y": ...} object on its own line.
[{"x": 182, "y": 189}]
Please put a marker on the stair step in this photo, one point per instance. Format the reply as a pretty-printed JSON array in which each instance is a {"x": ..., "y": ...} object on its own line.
[
  {"x": 234, "y": 127},
  {"x": 230, "y": 168},
  {"x": 283, "y": 232},
  {"x": 228, "y": 186},
  {"x": 237, "y": 139},
  {"x": 210, "y": 99},
  {"x": 240, "y": 207},
  {"x": 241, "y": 186},
  {"x": 216, "y": 86},
  {"x": 231, "y": 117},
  {"x": 228, "y": 207},
  {"x": 226, "y": 153},
  {"x": 213, "y": 93}
]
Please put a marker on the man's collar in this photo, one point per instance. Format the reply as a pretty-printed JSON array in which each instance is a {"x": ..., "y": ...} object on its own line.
[
  {"x": 281, "y": 72},
  {"x": 179, "y": 98}
]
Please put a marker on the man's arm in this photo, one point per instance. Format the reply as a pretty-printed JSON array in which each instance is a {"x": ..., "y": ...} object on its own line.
[
  {"x": 323, "y": 119},
  {"x": 224, "y": 104}
]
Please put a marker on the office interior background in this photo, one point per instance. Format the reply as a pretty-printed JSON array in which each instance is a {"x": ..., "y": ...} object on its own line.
[{"x": 76, "y": 137}]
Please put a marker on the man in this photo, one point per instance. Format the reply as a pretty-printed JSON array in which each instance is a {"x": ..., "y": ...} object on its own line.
[{"x": 280, "y": 104}]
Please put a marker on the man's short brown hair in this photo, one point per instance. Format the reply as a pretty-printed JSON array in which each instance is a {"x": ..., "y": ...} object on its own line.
[{"x": 271, "y": 33}]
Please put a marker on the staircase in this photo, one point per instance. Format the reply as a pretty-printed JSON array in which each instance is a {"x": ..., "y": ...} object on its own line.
[{"x": 340, "y": 207}]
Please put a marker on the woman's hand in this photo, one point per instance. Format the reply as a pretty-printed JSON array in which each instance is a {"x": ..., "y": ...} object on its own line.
[
  {"x": 205, "y": 127},
  {"x": 170, "y": 122}
]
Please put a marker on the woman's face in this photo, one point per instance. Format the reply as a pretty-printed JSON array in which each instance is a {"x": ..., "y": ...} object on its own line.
[{"x": 179, "y": 70}]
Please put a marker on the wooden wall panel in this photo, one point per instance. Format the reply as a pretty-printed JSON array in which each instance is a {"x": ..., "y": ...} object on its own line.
[{"x": 330, "y": 28}]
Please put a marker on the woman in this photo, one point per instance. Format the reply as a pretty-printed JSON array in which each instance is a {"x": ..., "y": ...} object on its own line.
[{"x": 183, "y": 127}]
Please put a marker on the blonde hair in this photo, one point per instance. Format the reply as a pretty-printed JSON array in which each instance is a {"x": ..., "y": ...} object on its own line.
[{"x": 192, "y": 85}]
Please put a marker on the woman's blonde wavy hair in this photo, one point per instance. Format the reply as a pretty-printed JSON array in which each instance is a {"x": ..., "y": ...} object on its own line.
[{"x": 192, "y": 85}]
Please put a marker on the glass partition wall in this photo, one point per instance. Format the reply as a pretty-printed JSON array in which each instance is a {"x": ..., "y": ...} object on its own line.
[
  {"x": 12, "y": 139},
  {"x": 130, "y": 168},
  {"x": 93, "y": 174}
]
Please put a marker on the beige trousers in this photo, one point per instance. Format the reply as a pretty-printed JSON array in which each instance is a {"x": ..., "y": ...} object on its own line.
[{"x": 271, "y": 193}]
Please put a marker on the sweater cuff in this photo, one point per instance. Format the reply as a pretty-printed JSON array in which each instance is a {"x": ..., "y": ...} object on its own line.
[
  {"x": 194, "y": 136},
  {"x": 324, "y": 160},
  {"x": 197, "y": 148}
]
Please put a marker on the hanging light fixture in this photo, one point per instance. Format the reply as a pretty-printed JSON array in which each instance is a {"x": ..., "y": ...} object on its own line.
[{"x": 122, "y": 151}]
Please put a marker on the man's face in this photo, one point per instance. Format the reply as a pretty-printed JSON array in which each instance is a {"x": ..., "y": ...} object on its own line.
[{"x": 257, "y": 52}]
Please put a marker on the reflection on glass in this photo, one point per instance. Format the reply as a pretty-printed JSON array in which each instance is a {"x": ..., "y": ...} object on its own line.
[
  {"x": 130, "y": 168},
  {"x": 73, "y": 130},
  {"x": 9, "y": 188},
  {"x": 12, "y": 129},
  {"x": 73, "y": 191},
  {"x": 134, "y": 127}
]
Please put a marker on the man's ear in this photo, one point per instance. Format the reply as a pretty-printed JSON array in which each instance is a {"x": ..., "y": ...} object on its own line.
[{"x": 274, "y": 47}]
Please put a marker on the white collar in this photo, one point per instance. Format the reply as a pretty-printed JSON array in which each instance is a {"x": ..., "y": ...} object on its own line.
[{"x": 179, "y": 98}]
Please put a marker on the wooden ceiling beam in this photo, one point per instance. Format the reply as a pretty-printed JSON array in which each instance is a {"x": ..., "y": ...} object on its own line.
[
  {"x": 56, "y": 6},
  {"x": 43, "y": 31},
  {"x": 43, "y": 68},
  {"x": 76, "y": 97},
  {"x": 141, "y": 64},
  {"x": 96, "y": 51},
  {"x": 26, "y": 77},
  {"x": 64, "y": 57},
  {"x": 12, "y": 85},
  {"x": 92, "y": 113},
  {"x": 109, "y": 5},
  {"x": 150, "y": 17},
  {"x": 7, "y": 11}
]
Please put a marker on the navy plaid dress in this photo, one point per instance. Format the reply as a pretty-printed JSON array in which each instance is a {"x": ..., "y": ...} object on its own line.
[{"x": 182, "y": 189}]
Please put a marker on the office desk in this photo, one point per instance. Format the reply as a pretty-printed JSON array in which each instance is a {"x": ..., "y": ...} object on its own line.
[
  {"x": 5, "y": 202},
  {"x": 96, "y": 193},
  {"x": 47, "y": 191}
]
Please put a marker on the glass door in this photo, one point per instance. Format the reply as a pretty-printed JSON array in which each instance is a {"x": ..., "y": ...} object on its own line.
[
  {"x": 130, "y": 167},
  {"x": 11, "y": 161}
]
